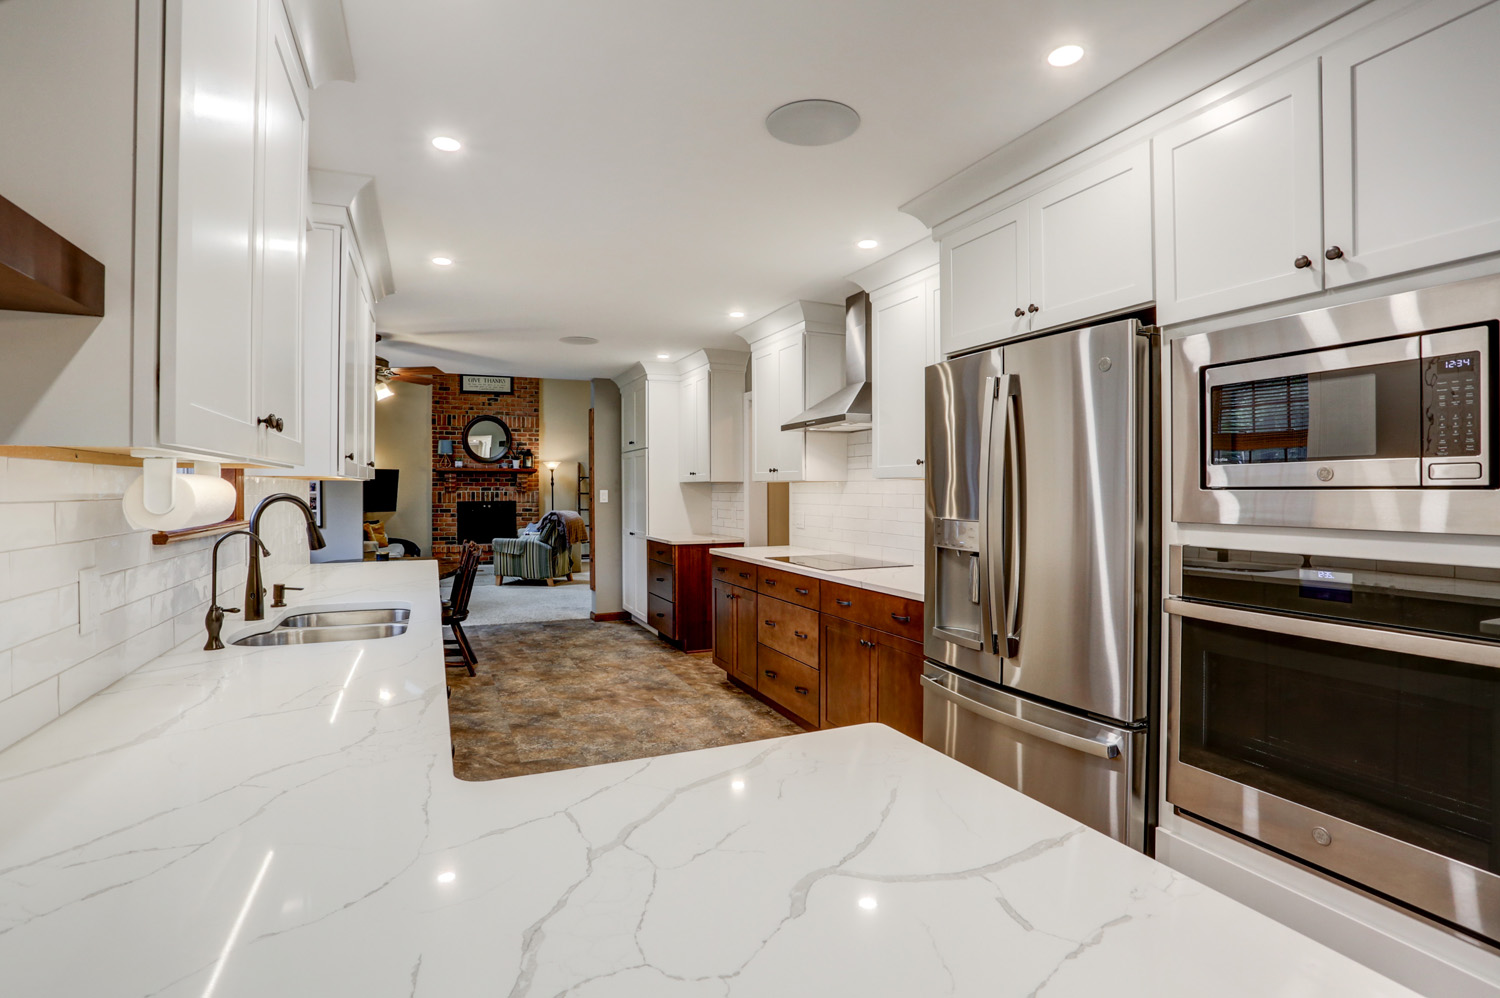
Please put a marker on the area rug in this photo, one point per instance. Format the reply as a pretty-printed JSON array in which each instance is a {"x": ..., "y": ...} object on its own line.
[
  {"x": 562, "y": 694},
  {"x": 520, "y": 602}
]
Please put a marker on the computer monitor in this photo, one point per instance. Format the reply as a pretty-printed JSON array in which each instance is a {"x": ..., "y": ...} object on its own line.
[{"x": 380, "y": 491}]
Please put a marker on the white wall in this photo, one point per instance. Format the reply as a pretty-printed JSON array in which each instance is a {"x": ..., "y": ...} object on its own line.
[
  {"x": 403, "y": 441},
  {"x": 565, "y": 438},
  {"x": 875, "y": 518},
  {"x": 58, "y": 517}
]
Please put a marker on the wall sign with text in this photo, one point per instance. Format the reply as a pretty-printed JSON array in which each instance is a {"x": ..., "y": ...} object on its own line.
[{"x": 486, "y": 384}]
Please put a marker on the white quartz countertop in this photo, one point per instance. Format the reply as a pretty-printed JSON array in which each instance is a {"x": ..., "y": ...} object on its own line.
[
  {"x": 285, "y": 821},
  {"x": 694, "y": 539},
  {"x": 905, "y": 581}
]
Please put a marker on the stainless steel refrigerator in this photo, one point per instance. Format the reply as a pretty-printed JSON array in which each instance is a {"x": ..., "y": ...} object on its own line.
[{"x": 1042, "y": 597}]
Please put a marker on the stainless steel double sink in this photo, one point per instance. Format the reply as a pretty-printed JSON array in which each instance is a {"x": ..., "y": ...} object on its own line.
[{"x": 320, "y": 626}]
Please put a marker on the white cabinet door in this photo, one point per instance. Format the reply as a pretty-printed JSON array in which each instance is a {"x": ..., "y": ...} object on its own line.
[
  {"x": 1411, "y": 141},
  {"x": 322, "y": 376},
  {"x": 986, "y": 281},
  {"x": 1089, "y": 238},
  {"x": 208, "y": 214},
  {"x": 692, "y": 427},
  {"x": 1239, "y": 203},
  {"x": 791, "y": 399},
  {"x": 359, "y": 368},
  {"x": 633, "y": 415},
  {"x": 280, "y": 239},
  {"x": 934, "y": 321},
  {"x": 766, "y": 418},
  {"x": 633, "y": 484},
  {"x": 900, "y": 344}
]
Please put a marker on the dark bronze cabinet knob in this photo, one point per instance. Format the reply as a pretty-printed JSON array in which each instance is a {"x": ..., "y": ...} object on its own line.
[
  {"x": 1302, "y": 263},
  {"x": 348, "y": 457},
  {"x": 272, "y": 421},
  {"x": 1032, "y": 308},
  {"x": 1020, "y": 313},
  {"x": 1333, "y": 253}
]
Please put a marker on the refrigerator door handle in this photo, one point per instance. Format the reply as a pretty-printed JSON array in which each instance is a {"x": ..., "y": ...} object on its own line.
[
  {"x": 1105, "y": 748},
  {"x": 990, "y": 606},
  {"x": 1015, "y": 516}
]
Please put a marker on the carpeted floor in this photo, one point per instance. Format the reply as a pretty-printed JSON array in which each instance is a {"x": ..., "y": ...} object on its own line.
[
  {"x": 520, "y": 602},
  {"x": 561, "y": 694}
]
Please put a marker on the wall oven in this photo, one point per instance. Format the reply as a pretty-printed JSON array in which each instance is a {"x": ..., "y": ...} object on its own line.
[
  {"x": 1377, "y": 415},
  {"x": 1345, "y": 713}
]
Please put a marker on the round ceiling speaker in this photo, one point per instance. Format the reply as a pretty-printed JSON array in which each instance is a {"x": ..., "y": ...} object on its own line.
[
  {"x": 580, "y": 341},
  {"x": 812, "y": 122}
]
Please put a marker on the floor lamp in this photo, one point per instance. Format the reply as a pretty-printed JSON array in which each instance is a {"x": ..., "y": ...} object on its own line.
[{"x": 552, "y": 473}]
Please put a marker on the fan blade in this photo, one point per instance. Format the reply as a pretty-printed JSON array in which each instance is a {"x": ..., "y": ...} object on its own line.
[
  {"x": 420, "y": 370},
  {"x": 412, "y": 379}
]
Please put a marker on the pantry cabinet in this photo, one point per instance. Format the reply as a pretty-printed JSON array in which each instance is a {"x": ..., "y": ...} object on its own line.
[
  {"x": 633, "y": 414},
  {"x": 633, "y": 496},
  {"x": 791, "y": 366},
  {"x": 1239, "y": 201},
  {"x": 1411, "y": 141},
  {"x": 1078, "y": 248},
  {"x": 904, "y": 340}
]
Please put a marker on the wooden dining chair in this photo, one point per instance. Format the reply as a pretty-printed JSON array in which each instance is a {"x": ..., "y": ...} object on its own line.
[{"x": 456, "y": 609}]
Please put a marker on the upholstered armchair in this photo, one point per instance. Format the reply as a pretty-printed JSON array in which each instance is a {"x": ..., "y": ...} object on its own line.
[{"x": 530, "y": 557}]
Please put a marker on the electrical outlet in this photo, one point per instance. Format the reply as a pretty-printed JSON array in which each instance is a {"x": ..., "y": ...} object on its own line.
[
  {"x": 799, "y": 519},
  {"x": 604, "y": 495}
]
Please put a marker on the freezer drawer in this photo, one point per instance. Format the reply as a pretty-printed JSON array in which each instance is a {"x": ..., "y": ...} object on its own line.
[{"x": 1092, "y": 772}]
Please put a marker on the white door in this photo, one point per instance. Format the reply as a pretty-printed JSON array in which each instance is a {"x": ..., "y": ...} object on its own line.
[
  {"x": 633, "y": 415},
  {"x": 986, "y": 281},
  {"x": 633, "y": 524},
  {"x": 281, "y": 232},
  {"x": 1411, "y": 141},
  {"x": 689, "y": 431},
  {"x": 208, "y": 217},
  {"x": 1089, "y": 237},
  {"x": 767, "y": 428},
  {"x": 899, "y": 341},
  {"x": 1239, "y": 201},
  {"x": 791, "y": 399}
]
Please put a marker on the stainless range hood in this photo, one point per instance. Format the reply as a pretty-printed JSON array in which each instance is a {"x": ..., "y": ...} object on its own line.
[{"x": 849, "y": 409}]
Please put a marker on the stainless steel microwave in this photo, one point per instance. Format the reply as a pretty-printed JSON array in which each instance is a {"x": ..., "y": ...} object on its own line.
[{"x": 1379, "y": 415}]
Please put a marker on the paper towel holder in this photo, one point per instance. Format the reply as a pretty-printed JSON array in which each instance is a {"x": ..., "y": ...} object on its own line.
[{"x": 156, "y": 481}]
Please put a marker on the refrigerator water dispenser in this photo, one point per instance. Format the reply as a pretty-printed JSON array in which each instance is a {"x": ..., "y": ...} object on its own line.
[{"x": 956, "y": 598}]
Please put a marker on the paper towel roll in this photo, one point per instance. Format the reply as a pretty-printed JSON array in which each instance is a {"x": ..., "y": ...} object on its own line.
[{"x": 197, "y": 500}]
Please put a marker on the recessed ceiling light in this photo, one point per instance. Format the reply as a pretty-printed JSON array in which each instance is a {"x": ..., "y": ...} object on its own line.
[
  {"x": 662, "y": 356},
  {"x": 736, "y": 315},
  {"x": 1065, "y": 55},
  {"x": 579, "y": 341},
  {"x": 446, "y": 144},
  {"x": 442, "y": 261},
  {"x": 867, "y": 244},
  {"x": 812, "y": 122}
]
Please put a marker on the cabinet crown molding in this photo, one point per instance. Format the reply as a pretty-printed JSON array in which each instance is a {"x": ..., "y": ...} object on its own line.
[
  {"x": 355, "y": 192},
  {"x": 817, "y": 316},
  {"x": 718, "y": 360},
  {"x": 906, "y": 262},
  {"x": 651, "y": 370},
  {"x": 323, "y": 40}
]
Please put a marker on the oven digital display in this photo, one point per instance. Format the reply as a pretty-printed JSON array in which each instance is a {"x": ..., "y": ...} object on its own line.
[{"x": 1326, "y": 584}]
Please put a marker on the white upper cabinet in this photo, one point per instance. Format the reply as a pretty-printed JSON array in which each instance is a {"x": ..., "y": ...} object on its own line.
[
  {"x": 692, "y": 440},
  {"x": 208, "y": 215},
  {"x": 711, "y": 394},
  {"x": 633, "y": 415},
  {"x": 1411, "y": 141},
  {"x": 987, "y": 281},
  {"x": 1079, "y": 247},
  {"x": 1239, "y": 201},
  {"x": 281, "y": 249},
  {"x": 766, "y": 433},
  {"x": 904, "y": 341},
  {"x": 1090, "y": 241}
]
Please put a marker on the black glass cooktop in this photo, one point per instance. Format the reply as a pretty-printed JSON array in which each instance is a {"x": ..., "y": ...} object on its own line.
[{"x": 836, "y": 562}]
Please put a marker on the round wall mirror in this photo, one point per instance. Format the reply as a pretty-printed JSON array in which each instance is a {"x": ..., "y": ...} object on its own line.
[{"x": 486, "y": 439}]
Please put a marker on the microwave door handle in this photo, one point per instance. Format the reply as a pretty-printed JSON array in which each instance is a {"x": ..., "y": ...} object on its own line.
[{"x": 1013, "y": 474}]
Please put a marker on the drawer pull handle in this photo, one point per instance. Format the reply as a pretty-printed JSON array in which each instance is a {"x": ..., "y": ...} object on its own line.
[
  {"x": 802, "y": 592},
  {"x": 866, "y": 644},
  {"x": 660, "y": 579},
  {"x": 770, "y": 674},
  {"x": 770, "y": 623},
  {"x": 721, "y": 568},
  {"x": 769, "y": 582},
  {"x": 744, "y": 575},
  {"x": 801, "y": 689},
  {"x": 900, "y": 619},
  {"x": 844, "y": 602},
  {"x": 661, "y": 615},
  {"x": 800, "y": 635}
]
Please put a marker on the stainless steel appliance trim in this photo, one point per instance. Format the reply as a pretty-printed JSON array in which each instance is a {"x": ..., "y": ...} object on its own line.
[
  {"x": 995, "y": 387},
  {"x": 1357, "y": 635},
  {"x": 1475, "y": 339},
  {"x": 1014, "y": 497},
  {"x": 1446, "y": 888},
  {"x": 958, "y": 637},
  {"x": 1106, "y": 748},
  {"x": 1462, "y": 510}
]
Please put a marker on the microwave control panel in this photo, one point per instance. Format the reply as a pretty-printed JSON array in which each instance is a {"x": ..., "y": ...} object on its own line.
[{"x": 1453, "y": 419}]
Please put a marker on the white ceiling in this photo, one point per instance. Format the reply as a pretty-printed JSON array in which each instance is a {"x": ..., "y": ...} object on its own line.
[{"x": 616, "y": 179}]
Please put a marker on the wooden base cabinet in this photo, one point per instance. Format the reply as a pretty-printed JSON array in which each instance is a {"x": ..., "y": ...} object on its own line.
[
  {"x": 679, "y": 602},
  {"x": 869, "y": 675},
  {"x": 734, "y": 632}
]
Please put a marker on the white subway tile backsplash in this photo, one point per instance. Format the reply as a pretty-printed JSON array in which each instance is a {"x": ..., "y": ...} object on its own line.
[
  {"x": 867, "y": 516},
  {"x": 59, "y": 517},
  {"x": 728, "y": 501}
]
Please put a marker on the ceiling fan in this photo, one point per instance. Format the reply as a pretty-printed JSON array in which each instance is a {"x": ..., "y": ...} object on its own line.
[{"x": 384, "y": 373}]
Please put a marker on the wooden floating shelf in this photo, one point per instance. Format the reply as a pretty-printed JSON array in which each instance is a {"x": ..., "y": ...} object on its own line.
[
  {"x": 467, "y": 468},
  {"x": 40, "y": 271}
]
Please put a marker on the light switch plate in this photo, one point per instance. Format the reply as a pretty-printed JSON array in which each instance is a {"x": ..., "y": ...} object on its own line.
[
  {"x": 604, "y": 495},
  {"x": 799, "y": 519}
]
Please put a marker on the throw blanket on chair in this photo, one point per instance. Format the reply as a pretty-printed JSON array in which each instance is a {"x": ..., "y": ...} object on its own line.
[{"x": 561, "y": 529}]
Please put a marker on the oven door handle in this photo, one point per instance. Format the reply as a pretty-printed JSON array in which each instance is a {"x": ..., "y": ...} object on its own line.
[
  {"x": 1105, "y": 748},
  {"x": 1481, "y": 653}
]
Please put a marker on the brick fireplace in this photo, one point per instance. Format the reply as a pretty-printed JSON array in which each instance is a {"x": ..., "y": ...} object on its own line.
[{"x": 451, "y": 411}]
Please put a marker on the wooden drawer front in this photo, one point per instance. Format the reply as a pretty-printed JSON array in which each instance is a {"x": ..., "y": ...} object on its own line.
[
  {"x": 661, "y": 614},
  {"x": 659, "y": 580},
  {"x": 788, "y": 682},
  {"x": 892, "y": 614},
  {"x": 657, "y": 551},
  {"x": 734, "y": 572},
  {"x": 790, "y": 629},
  {"x": 788, "y": 586}
]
